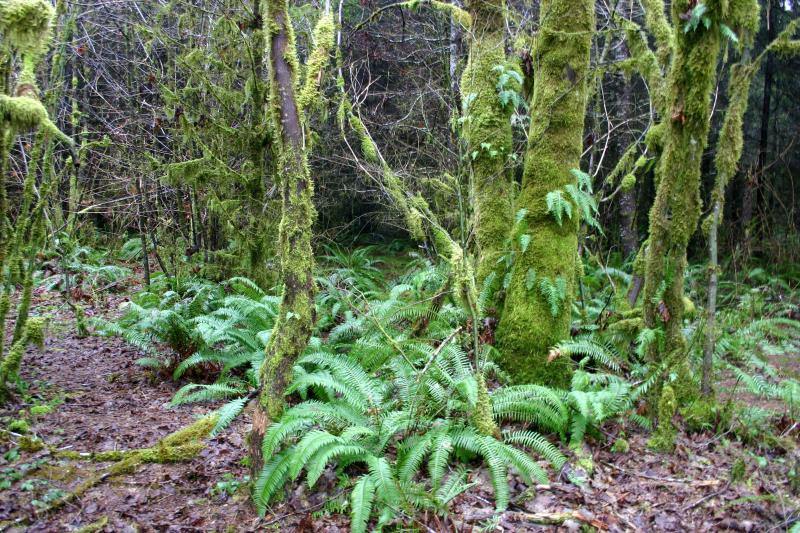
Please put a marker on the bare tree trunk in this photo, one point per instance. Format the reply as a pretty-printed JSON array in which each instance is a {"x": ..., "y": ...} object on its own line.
[
  {"x": 143, "y": 234},
  {"x": 711, "y": 307},
  {"x": 750, "y": 197}
]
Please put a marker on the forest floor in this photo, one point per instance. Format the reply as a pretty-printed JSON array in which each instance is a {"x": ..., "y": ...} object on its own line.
[{"x": 101, "y": 400}]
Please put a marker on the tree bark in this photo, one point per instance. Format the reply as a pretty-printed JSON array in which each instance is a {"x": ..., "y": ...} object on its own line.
[
  {"x": 629, "y": 234},
  {"x": 676, "y": 209}
]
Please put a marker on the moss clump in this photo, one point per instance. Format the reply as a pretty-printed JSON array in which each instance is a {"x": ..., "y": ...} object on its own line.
[
  {"x": 309, "y": 97},
  {"x": 94, "y": 526},
  {"x": 36, "y": 330},
  {"x": 30, "y": 444},
  {"x": 620, "y": 446},
  {"x": 663, "y": 440},
  {"x": 628, "y": 182},
  {"x": 584, "y": 459},
  {"x": 706, "y": 415},
  {"x": 482, "y": 417},
  {"x": 738, "y": 470},
  {"x": 31, "y": 333},
  {"x": 528, "y": 329},
  {"x": 19, "y": 426},
  {"x": 39, "y": 410},
  {"x": 26, "y": 24},
  {"x": 629, "y": 326}
]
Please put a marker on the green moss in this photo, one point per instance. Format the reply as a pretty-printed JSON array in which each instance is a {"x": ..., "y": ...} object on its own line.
[
  {"x": 24, "y": 113},
  {"x": 628, "y": 182},
  {"x": 663, "y": 439},
  {"x": 196, "y": 431},
  {"x": 738, "y": 471},
  {"x": 36, "y": 330},
  {"x": 94, "y": 527},
  {"x": 659, "y": 27},
  {"x": 482, "y": 416},
  {"x": 296, "y": 315},
  {"x": 527, "y": 328},
  {"x": 620, "y": 446},
  {"x": 486, "y": 122},
  {"x": 26, "y": 24},
  {"x": 10, "y": 366},
  {"x": 30, "y": 444},
  {"x": 19, "y": 426},
  {"x": 309, "y": 97},
  {"x": 706, "y": 414},
  {"x": 629, "y": 326},
  {"x": 644, "y": 61},
  {"x": 462, "y": 17},
  {"x": 39, "y": 410},
  {"x": 676, "y": 209},
  {"x": 584, "y": 459}
]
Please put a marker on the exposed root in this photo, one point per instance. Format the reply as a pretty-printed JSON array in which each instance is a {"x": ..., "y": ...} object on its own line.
[
  {"x": 94, "y": 526},
  {"x": 182, "y": 445}
]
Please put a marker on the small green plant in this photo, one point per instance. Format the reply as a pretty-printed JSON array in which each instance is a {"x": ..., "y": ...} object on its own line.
[
  {"x": 165, "y": 314},
  {"x": 39, "y": 410},
  {"x": 229, "y": 485},
  {"x": 699, "y": 15}
]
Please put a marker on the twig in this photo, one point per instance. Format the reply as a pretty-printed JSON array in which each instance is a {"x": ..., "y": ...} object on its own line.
[
  {"x": 438, "y": 350},
  {"x": 707, "y": 497}
]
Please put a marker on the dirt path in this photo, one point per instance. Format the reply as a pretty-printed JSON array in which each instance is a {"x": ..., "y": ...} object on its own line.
[{"x": 101, "y": 401}]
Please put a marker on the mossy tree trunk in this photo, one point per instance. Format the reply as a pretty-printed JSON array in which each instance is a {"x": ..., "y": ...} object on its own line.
[
  {"x": 528, "y": 329},
  {"x": 676, "y": 209},
  {"x": 487, "y": 133},
  {"x": 296, "y": 315}
]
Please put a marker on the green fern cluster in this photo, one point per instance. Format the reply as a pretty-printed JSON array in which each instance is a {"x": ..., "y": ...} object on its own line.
[
  {"x": 560, "y": 202},
  {"x": 386, "y": 392},
  {"x": 87, "y": 267},
  {"x": 405, "y": 414},
  {"x": 745, "y": 352},
  {"x": 165, "y": 314}
]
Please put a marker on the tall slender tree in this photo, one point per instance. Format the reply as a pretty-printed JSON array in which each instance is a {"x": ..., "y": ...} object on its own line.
[
  {"x": 295, "y": 319},
  {"x": 697, "y": 41}
]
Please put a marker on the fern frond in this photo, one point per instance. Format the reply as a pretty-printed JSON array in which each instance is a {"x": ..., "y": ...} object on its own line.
[{"x": 361, "y": 500}]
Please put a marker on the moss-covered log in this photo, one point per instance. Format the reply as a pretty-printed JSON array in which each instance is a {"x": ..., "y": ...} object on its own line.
[{"x": 528, "y": 328}]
